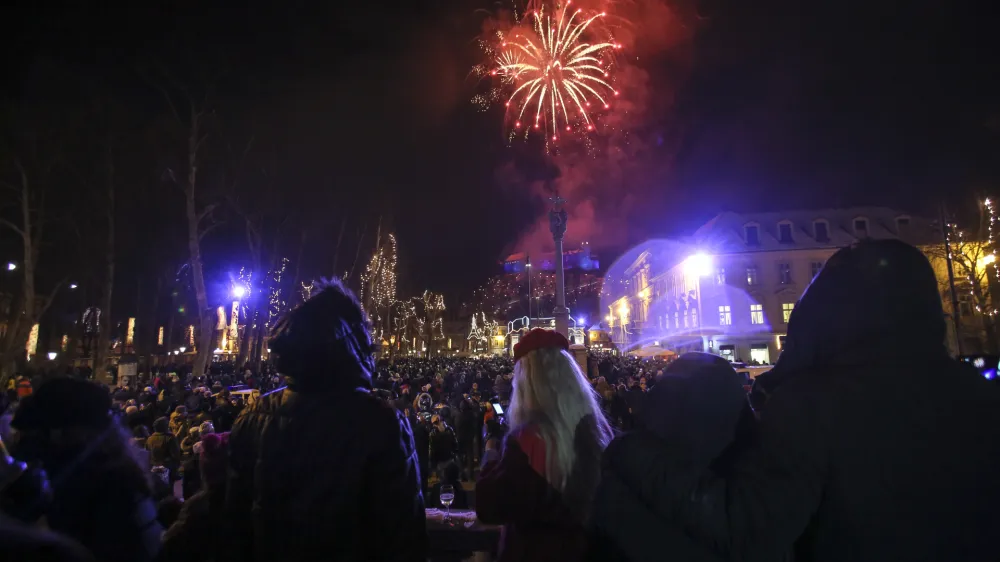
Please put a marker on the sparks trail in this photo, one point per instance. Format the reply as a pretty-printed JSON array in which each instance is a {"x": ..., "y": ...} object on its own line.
[{"x": 557, "y": 76}]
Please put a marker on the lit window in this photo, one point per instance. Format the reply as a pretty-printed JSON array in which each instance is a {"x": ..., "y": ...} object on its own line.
[
  {"x": 786, "y": 311},
  {"x": 751, "y": 276},
  {"x": 784, "y": 273},
  {"x": 822, "y": 231},
  {"x": 861, "y": 228},
  {"x": 753, "y": 235},
  {"x": 725, "y": 316},
  {"x": 785, "y": 233},
  {"x": 756, "y": 314},
  {"x": 677, "y": 319},
  {"x": 694, "y": 317},
  {"x": 720, "y": 276},
  {"x": 816, "y": 267}
]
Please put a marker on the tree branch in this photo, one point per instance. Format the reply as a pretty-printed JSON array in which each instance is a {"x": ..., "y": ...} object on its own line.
[{"x": 12, "y": 226}]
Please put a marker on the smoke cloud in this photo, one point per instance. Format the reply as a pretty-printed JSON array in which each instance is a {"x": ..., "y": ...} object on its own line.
[{"x": 615, "y": 179}]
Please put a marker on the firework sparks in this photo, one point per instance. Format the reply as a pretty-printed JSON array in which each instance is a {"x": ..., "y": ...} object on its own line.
[{"x": 557, "y": 76}]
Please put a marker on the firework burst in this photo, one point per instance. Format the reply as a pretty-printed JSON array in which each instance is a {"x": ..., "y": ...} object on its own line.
[{"x": 556, "y": 76}]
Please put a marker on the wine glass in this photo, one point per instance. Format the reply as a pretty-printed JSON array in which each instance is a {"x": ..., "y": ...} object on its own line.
[{"x": 447, "y": 497}]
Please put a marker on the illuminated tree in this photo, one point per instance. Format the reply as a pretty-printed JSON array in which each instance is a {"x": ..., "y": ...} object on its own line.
[
  {"x": 974, "y": 264},
  {"x": 378, "y": 286}
]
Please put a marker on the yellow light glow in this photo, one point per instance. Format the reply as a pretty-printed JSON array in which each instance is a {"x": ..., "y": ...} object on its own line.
[
  {"x": 32, "y": 345},
  {"x": 159, "y": 337},
  {"x": 130, "y": 333},
  {"x": 623, "y": 309},
  {"x": 987, "y": 259}
]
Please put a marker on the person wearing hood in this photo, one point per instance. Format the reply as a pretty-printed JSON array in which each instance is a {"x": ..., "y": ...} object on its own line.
[
  {"x": 699, "y": 406},
  {"x": 325, "y": 468},
  {"x": 873, "y": 444},
  {"x": 101, "y": 492}
]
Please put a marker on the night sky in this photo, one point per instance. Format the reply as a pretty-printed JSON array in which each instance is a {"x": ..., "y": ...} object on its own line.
[{"x": 364, "y": 108}]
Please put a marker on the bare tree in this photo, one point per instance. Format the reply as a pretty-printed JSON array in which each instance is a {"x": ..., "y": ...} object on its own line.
[
  {"x": 191, "y": 115},
  {"x": 28, "y": 191},
  {"x": 974, "y": 263}
]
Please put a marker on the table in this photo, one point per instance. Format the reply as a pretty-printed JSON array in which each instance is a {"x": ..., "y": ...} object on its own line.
[{"x": 460, "y": 540}]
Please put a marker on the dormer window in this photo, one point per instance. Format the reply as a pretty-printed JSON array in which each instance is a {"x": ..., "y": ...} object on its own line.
[
  {"x": 785, "y": 233},
  {"x": 902, "y": 225},
  {"x": 861, "y": 227},
  {"x": 752, "y": 233},
  {"x": 822, "y": 231}
]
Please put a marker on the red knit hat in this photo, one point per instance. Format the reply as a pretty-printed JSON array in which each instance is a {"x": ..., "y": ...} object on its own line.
[
  {"x": 540, "y": 339},
  {"x": 213, "y": 459}
]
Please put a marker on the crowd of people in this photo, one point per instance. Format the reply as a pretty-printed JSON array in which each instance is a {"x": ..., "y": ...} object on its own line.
[{"x": 865, "y": 442}]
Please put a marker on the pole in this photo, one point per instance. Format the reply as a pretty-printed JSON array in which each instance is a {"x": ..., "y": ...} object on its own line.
[
  {"x": 528, "y": 268},
  {"x": 951, "y": 280},
  {"x": 557, "y": 225}
]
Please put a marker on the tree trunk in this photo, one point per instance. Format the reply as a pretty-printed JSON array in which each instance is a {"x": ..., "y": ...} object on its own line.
[
  {"x": 205, "y": 320},
  {"x": 20, "y": 328},
  {"x": 104, "y": 329},
  {"x": 248, "y": 336}
]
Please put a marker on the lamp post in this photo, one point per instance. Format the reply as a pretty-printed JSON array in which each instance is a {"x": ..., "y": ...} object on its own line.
[{"x": 557, "y": 225}]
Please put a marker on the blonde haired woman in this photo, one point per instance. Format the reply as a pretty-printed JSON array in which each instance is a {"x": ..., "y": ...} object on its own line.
[{"x": 541, "y": 486}]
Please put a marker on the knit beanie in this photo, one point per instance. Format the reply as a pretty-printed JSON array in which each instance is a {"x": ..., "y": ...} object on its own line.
[{"x": 213, "y": 459}]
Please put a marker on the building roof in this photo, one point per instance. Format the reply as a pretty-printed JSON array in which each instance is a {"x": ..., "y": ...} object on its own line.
[{"x": 725, "y": 233}]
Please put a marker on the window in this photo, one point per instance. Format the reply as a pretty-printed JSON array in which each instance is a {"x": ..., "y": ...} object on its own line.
[
  {"x": 677, "y": 319},
  {"x": 756, "y": 314},
  {"x": 753, "y": 235},
  {"x": 822, "y": 231},
  {"x": 685, "y": 319},
  {"x": 728, "y": 352},
  {"x": 861, "y": 228},
  {"x": 725, "y": 316},
  {"x": 902, "y": 225},
  {"x": 751, "y": 276},
  {"x": 759, "y": 354},
  {"x": 786, "y": 311},
  {"x": 720, "y": 276},
  {"x": 815, "y": 267},
  {"x": 785, "y": 233},
  {"x": 694, "y": 317},
  {"x": 784, "y": 273}
]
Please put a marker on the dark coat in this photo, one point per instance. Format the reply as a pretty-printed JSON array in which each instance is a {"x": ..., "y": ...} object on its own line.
[
  {"x": 331, "y": 476},
  {"x": 98, "y": 507},
  {"x": 873, "y": 444},
  {"x": 22, "y": 543},
  {"x": 196, "y": 535},
  {"x": 697, "y": 406},
  {"x": 538, "y": 523}
]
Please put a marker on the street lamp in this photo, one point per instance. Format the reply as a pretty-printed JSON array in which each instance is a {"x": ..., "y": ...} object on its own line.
[
  {"x": 239, "y": 291},
  {"x": 73, "y": 286},
  {"x": 52, "y": 355},
  {"x": 183, "y": 349},
  {"x": 11, "y": 266},
  {"x": 699, "y": 265}
]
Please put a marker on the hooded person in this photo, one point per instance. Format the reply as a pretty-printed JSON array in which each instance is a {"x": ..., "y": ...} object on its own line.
[
  {"x": 101, "y": 493},
  {"x": 698, "y": 406},
  {"x": 324, "y": 466},
  {"x": 873, "y": 443}
]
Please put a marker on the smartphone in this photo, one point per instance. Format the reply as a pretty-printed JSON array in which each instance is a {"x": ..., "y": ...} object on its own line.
[{"x": 497, "y": 408}]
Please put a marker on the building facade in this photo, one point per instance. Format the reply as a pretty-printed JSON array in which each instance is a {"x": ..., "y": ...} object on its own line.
[{"x": 732, "y": 288}]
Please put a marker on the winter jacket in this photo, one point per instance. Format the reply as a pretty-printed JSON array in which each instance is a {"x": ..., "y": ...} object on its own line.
[
  {"x": 696, "y": 407},
  {"x": 197, "y": 533},
  {"x": 537, "y": 523},
  {"x": 163, "y": 450},
  {"x": 873, "y": 444},
  {"x": 324, "y": 475},
  {"x": 98, "y": 507}
]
